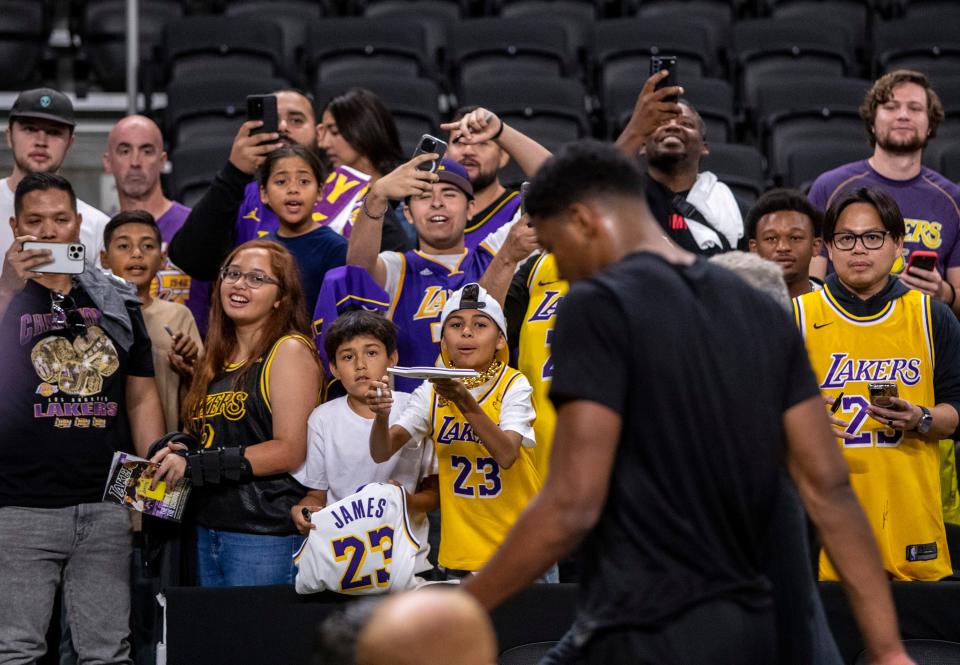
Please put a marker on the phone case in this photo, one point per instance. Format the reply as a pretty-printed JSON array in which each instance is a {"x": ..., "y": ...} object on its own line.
[
  {"x": 440, "y": 149},
  {"x": 67, "y": 257}
]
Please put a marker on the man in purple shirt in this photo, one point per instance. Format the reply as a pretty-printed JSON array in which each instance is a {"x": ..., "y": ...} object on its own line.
[
  {"x": 135, "y": 158},
  {"x": 902, "y": 112}
]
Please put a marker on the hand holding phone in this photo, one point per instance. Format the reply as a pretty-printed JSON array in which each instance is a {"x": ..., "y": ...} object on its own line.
[
  {"x": 427, "y": 145},
  {"x": 66, "y": 257},
  {"x": 263, "y": 107},
  {"x": 669, "y": 62},
  {"x": 922, "y": 259}
]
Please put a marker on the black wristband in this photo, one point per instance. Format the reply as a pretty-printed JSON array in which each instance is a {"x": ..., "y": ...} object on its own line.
[
  {"x": 499, "y": 131},
  {"x": 953, "y": 295},
  {"x": 217, "y": 465}
]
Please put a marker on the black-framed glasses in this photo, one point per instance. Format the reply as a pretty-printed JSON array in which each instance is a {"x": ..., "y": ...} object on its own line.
[
  {"x": 254, "y": 280},
  {"x": 65, "y": 313},
  {"x": 870, "y": 240}
]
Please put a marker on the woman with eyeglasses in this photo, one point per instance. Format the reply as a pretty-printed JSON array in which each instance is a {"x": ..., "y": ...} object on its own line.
[{"x": 247, "y": 408}]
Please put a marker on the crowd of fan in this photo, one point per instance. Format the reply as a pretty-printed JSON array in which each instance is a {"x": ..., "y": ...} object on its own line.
[{"x": 263, "y": 321}]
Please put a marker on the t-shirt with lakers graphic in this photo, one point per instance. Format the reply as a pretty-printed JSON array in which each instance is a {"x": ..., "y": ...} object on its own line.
[
  {"x": 418, "y": 284},
  {"x": 240, "y": 415},
  {"x": 479, "y": 500},
  {"x": 930, "y": 205},
  {"x": 63, "y": 412},
  {"x": 895, "y": 336},
  {"x": 531, "y": 309}
]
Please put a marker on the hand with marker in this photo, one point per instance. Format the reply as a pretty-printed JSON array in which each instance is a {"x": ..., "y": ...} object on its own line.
[
  {"x": 839, "y": 426},
  {"x": 379, "y": 397}
]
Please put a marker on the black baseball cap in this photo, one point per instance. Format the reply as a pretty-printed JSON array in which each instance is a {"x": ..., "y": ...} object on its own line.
[{"x": 44, "y": 104}]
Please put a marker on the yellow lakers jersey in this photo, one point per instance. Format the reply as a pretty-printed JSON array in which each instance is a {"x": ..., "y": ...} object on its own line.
[
  {"x": 546, "y": 290},
  {"x": 894, "y": 474},
  {"x": 479, "y": 500}
]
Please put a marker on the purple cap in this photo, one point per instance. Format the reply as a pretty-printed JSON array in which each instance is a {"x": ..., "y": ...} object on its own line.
[{"x": 454, "y": 173}]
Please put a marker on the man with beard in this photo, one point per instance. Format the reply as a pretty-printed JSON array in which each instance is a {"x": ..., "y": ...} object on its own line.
[
  {"x": 135, "y": 158},
  {"x": 40, "y": 134},
  {"x": 495, "y": 205},
  {"x": 697, "y": 211},
  {"x": 901, "y": 113}
]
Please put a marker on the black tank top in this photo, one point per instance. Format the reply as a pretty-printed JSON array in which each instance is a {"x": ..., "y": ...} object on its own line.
[{"x": 241, "y": 416}]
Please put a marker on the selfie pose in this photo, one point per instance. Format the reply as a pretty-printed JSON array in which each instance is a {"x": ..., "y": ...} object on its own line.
[
  {"x": 887, "y": 359},
  {"x": 248, "y": 407}
]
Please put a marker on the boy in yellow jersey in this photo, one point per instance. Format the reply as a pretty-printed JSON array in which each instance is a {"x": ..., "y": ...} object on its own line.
[
  {"x": 481, "y": 428},
  {"x": 867, "y": 327}
]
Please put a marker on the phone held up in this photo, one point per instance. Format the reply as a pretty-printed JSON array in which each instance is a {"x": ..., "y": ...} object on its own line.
[
  {"x": 524, "y": 188},
  {"x": 922, "y": 259},
  {"x": 263, "y": 107},
  {"x": 67, "y": 257},
  {"x": 430, "y": 144},
  {"x": 658, "y": 62}
]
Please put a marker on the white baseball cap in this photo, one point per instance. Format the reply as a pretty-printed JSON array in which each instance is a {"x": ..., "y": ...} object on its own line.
[{"x": 474, "y": 296}]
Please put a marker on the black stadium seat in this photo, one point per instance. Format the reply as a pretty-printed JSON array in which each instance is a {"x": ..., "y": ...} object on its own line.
[
  {"x": 576, "y": 17},
  {"x": 203, "y": 110},
  {"x": 193, "y": 169},
  {"x": 742, "y": 167},
  {"x": 806, "y": 160},
  {"x": 292, "y": 17},
  {"x": 928, "y": 42},
  {"x": 218, "y": 45},
  {"x": 340, "y": 48},
  {"x": 24, "y": 29},
  {"x": 491, "y": 47},
  {"x": 771, "y": 49}
]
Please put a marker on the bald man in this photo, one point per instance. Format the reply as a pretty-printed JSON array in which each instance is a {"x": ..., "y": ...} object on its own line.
[
  {"x": 432, "y": 626},
  {"x": 135, "y": 158}
]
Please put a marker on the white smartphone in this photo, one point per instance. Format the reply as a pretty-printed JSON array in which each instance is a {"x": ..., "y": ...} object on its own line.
[{"x": 67, "y": 256}]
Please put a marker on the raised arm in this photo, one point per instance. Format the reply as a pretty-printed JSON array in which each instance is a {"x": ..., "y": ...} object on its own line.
[
  {"x": 209, "y": 232},
  {"x": 364, "y": 246},
  {"x": 483, "y": 125},
  {"x": 650, "y": 111},
  {"x": 822, "y": 479},
  {"x": 385, "y": 440},
  {"x": 520, "y": 243}
]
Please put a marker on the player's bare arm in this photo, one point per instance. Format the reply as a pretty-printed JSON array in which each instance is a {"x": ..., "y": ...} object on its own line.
[{"x": 567, "y": 507}]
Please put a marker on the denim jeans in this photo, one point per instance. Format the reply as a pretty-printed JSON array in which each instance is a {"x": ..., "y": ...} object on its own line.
[
  {"x": 87, "y": 549},
  {"x": 228, "y": 558}
]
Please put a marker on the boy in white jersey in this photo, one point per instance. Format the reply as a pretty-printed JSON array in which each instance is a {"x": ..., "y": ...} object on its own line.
[
  {"x": 360, "y": 346},
  {"x": 482, "y": 429}
]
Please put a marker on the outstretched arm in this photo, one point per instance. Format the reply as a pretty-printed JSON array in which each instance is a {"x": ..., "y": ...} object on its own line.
[{"x": 483, "y": 125}]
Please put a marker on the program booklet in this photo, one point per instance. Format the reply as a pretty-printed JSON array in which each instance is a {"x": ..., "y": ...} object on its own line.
[{"x": 129, "y": 485}]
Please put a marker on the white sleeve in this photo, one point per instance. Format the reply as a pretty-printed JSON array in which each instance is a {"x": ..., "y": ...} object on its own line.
[
  {"x": 517, "y": 414},
  {"x": 313, "y": 472},
  {"x": 416, "y": 416},
  {"x": 392, "y": 265},
  {"x": 494, "y": 241}
]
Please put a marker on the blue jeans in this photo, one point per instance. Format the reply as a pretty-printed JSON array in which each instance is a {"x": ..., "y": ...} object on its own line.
[
  {"x": 87, "y": 548},
  {"x": 228, "y": 558}
]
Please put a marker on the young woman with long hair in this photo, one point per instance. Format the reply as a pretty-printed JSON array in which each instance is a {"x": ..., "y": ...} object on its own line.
[{"x": 247, "y": 407}]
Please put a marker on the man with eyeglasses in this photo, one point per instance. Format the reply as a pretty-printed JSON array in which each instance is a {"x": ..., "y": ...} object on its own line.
[
  {"x": 78, "y": 386},
  {"x": 887, "y": 359}
]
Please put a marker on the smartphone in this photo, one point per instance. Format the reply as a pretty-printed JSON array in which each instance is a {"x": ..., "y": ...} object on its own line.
[
  {"x": 263, "y": 107},
  {"x": 881, "y": 392},
  {"x": 658, "y": 62},
  {"x": 427, "y": 145},
  {"x": 524, "y": 188},
  {"x": 67, "y": 257},
  {"x": 922, "y": 259}
]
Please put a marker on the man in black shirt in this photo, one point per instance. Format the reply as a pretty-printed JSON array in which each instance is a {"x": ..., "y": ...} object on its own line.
[
  {"x": 78, "y": 386},
  {"x": 666, "y": 455}
]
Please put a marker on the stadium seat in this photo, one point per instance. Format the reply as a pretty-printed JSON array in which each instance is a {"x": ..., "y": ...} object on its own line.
[
  {"x": 925, "y": 652},
  {"x": 202, "y": 110},
  {"x": 851, "y": 16},
  {"x": 806, "y": 160},
  {"x": 716, "y": 16},
  {"x": 526, "y": 654},
  {"x": 414, "y": 103},
  {"x": 490, "y": 47},
  {"x": 576, "y": 17},
  {"x": 622, "y": 48},
  {"x": 792, "y": 111},
  {"x": 713, "y": 99},
  {"x": 741, "y": 167},
  {"x": 773, "y": 49},
  {"x": 194, "y": 168},
  {"x": 292, "y": 17},
  {"x": 950, "y": 168},
  {"x": 24, "y": 29},
  {"x": 341, "y": 48},
  {"x": 201, "y": 45},
  {"x": 461, "y": 8},
  {"x": 928, "y": 43}
]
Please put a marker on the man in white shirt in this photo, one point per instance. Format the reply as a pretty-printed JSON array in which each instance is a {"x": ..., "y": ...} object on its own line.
[{"x": 40, "y": 134}]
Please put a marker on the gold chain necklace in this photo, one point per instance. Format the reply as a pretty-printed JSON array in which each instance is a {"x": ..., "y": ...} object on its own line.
[{"x": 472, "y": 382}]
